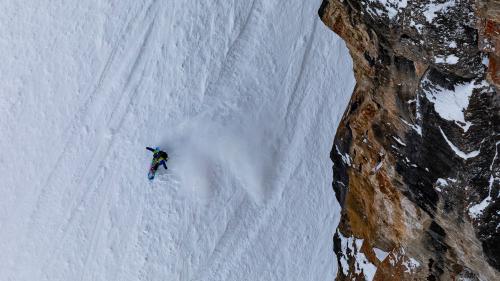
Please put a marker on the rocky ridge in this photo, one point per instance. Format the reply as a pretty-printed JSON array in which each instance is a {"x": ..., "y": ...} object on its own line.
[{"x": 416, "y": 156}]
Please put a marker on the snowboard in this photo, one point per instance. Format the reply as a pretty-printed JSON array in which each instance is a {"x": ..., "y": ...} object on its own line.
[
  {"x": 151, "y": 174},
  {"x": 152, "y": 171}
]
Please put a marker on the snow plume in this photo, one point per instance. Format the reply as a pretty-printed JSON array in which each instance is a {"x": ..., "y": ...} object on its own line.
[{"x": 201, "y": 149}]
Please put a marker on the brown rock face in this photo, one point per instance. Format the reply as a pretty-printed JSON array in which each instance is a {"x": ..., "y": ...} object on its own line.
[
  {"x": 488, "y": 12},
  {"x": 416, "y": 155}
]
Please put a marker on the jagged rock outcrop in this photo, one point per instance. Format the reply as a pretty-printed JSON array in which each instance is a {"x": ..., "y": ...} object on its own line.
[{"x": 416, "y": 156}]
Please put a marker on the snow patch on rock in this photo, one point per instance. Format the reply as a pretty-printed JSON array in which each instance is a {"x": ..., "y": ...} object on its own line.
[
  {"x": 477, "y": 210},
  {"x": 451, "y": 59},
  {"x": 345, "y": 157},
  {"x": 398, "y": 140},
  {"x": 432, "y": 9},
  {"x": 457, "y": 151},
  {"x": 389, "y": 8},
  {"x": 415, "y": 127},
  {"x": 411, "y": 264},
  {"x": 451, "y": 104},
  {"x": 351, "y": 247},
  {"x": 380, "y": 254}
]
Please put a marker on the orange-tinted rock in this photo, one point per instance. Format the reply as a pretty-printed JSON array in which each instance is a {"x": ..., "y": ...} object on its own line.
[{"x": 489, "y": 36}]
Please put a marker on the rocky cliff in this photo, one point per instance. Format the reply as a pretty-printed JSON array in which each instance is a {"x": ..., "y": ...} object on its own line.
[{"x": 416, "y": 156}]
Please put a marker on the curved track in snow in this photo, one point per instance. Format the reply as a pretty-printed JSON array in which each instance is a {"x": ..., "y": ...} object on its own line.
[{"x": 244, "y": 96}]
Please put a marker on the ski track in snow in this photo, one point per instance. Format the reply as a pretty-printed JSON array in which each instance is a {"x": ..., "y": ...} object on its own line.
[{"x": 245, "y": 97}]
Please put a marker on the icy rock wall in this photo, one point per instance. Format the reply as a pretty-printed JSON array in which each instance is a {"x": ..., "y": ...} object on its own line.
[{"x": 416, "y": 156}]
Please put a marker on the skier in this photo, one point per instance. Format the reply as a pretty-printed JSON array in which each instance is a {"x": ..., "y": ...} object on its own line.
[{"x": 159, "y": 158}]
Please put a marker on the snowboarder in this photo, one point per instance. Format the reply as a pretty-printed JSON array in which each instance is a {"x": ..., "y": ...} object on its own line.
[{"x": 159, "y": 158}]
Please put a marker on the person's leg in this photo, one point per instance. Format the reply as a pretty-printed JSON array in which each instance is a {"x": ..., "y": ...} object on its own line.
[{"x": 155, "y": 166}]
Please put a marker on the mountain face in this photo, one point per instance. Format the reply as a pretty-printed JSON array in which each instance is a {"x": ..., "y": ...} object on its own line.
[{"x": 416, "y": 155}]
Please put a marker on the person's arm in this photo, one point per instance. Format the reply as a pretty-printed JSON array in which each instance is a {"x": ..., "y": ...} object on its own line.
[{"x": 150, "y": 149}]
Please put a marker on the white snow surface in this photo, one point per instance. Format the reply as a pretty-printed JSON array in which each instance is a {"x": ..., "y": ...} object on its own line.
[{"x": 245, "y": 97}]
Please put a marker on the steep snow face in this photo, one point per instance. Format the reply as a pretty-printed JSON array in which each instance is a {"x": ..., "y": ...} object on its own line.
[{"x": 245, "y": 97}]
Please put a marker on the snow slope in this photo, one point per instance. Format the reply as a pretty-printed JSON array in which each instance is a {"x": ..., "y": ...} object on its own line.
[{"x": 244, "y": 95}]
